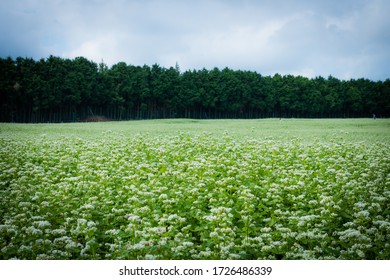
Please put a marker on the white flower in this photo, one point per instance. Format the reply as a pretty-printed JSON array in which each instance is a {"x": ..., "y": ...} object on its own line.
[
  {"x": 150, "y": 257},
  {"x": 362, "y": 214},
  {"x": 42, "y": 224},
  {"x": 350, "y": 233},
  {"x": 33, "y": 231},
  {"x": 91, "y": 224},
  {"x": 82, "y": 221},
  {"x": 112, "y": 232},
  {"x": 266, "y": 229},
  {"x": 211, "y": 218},
  {"x": 138, "y": 246},
  {"x": 59, "y": 231},
  {"x": 163, "y": 196},
  {"x": 360, "y": 205}
]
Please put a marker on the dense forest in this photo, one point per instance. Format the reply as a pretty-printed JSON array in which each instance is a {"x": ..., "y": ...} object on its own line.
[{"x": 67, "y": 90}]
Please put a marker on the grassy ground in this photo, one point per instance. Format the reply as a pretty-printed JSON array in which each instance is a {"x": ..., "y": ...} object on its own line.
[{"x": 307, "y": 130}]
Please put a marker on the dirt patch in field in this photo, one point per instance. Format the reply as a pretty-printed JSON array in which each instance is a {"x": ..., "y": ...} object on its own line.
[{"x": 96, "y": 119}]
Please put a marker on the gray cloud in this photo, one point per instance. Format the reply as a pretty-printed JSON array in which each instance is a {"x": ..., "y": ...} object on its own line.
[{"x": 346, "y": 39}]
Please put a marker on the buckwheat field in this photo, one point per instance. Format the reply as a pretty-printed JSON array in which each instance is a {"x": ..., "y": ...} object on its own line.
[{"x": 189, "y": 189}]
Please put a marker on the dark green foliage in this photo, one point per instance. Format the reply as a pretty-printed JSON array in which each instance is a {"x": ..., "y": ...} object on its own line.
[{"x": 62, "y": 90}]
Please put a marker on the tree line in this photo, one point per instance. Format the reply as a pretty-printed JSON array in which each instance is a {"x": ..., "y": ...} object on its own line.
[{"x": 67, "y": 90}]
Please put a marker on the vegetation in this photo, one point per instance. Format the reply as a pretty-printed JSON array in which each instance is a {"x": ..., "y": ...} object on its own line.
[
  {"x": 64, "y": 90},
  {"x": 196, "y": 189}
]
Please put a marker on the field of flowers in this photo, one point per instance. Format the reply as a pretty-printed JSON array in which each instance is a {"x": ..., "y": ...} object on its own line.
[{"x": 259, "y": 189}]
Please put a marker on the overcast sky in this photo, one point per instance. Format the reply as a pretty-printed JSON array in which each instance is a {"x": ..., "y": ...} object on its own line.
[{"x": 343, "y": 38}]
